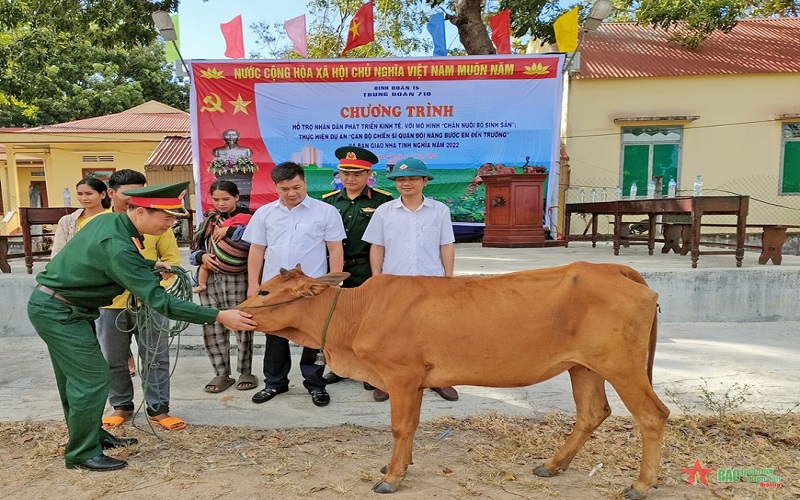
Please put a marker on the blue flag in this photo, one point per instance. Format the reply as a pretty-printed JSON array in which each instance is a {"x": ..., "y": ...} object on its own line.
[{"x": 436, "y": 29}]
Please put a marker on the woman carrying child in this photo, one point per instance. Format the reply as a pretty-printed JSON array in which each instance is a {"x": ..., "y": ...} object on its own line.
[{"x": 222, "y": 255}]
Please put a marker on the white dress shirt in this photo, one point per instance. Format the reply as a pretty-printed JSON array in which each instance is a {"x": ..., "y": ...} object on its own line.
[
  {"x": 411, "y": 239},
  {"x": 295, "y": 236}
]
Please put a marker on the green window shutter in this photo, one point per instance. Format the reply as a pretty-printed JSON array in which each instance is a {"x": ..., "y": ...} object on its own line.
[
  {"x": 665, "y": 163},
  {"x": 791, "y": 167},
  {"x": 635, "y": 159}
]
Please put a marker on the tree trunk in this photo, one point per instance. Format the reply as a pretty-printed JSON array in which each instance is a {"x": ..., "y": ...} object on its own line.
[{"x": 471, "y": 29}]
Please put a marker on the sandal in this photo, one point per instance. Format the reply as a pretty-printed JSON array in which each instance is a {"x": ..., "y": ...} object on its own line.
[
  {"x": 219, "y": 384},
  {"x": 112, "y": 421},
  {"x": 169, "y": 423},
  {"x": 246, "y": 382}
]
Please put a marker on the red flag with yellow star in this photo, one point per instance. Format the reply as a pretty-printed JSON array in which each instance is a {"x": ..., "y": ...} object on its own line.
[{"x": 362, "y": 29}]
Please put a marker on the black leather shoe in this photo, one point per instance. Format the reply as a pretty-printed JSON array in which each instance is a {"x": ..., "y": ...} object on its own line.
[
  {"x": 320, "y": 397},
  {"x": 265, "y": 395},
  {"x": 112, "y": 442},
  {"x": 332, "y": 378},
  {"x": 368, "y": 387},
  {"x": 100, "y": 463},
  {"x": 447, "y": 393},
  {"x": 379, "y": 395}
]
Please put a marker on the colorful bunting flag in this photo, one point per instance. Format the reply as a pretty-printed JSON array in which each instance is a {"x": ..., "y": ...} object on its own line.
[
  {"x": 296, "y": 31},
  {"x": 234, "y": 38},
  {"x": 566, "y": 28},
  {"x": 501, "y": 31},
  {"x": 362, "y": 29},
  {"x": 436, "y": 29}
]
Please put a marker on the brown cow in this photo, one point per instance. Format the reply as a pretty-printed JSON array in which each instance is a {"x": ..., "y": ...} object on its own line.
[{"x": 406, "y": 333}]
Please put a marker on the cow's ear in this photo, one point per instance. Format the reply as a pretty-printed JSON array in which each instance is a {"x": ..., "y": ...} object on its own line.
[
  {"x": 333, "y": 279},
  {"x": 313, "y": 289}
]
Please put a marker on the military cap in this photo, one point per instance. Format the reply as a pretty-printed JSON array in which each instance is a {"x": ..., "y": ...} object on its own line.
[
  {"x": 165, "y": 197},
  {"x": 410, "y": 167},
  {"x": 353, "y": 159}
]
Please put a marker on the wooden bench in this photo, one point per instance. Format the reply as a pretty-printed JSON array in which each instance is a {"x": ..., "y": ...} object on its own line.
[
  {"x": 678, "y": 237},
  {"x": 29, "y": 217}
]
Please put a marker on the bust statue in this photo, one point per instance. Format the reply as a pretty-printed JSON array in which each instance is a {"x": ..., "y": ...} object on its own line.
[{"x": 231, "y": 149}]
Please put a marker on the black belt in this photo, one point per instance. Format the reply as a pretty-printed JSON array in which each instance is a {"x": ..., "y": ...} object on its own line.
[
  {"x": 355, "y": 262},
  {"x": 54, "y": 294}
]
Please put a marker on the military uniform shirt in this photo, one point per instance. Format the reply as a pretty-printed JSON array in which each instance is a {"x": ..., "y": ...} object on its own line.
[
  {"x": 103, "y": 261},
  {"x": 356, "y": 215}
]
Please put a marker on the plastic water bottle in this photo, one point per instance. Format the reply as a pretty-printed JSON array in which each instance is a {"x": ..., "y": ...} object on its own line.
[
  {"x": 67, "y": 198},
  {"x": 672, "y": 187},
  {"x": 698, "y": 186},
  {"x": 583, "y": 196},
  {"x": 619, "y": 192},
  {"x": 593, "y": 195},
  {"x": 633, "y": 191},
  {"x": 604, "y": 194},
  {"x": 651, "y": 189}
]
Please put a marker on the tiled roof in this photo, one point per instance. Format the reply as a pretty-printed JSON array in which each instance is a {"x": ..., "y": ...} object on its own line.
[
  {"x": 146, "y": 118},
  {"x": 626, "y": 50},
  {"x": 174, "y": 150}
]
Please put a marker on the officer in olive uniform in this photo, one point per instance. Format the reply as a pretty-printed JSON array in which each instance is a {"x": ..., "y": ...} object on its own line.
[
  {"x": 93, "y": 268},
  {"x": 356, "y": 202}
]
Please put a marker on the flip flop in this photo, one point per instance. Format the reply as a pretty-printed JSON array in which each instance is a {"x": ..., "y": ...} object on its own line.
[
  {"x": 246, "y": 382},
  {"x": 218, "y": 384},
  {"x": 169, "y": 423},
  {"x": 112, "y": 421}
]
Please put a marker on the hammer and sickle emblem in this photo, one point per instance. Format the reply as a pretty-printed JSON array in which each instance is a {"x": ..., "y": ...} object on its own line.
[{"x": 212, "y": 103}]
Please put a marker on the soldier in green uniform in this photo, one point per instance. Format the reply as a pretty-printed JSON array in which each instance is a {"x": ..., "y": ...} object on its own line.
[
  {"x": 356, "y": 202},
  {"x": 93, "y": 268}
]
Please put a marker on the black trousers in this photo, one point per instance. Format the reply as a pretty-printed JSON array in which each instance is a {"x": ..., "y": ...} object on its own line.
[{"x": 278, "y": 362}]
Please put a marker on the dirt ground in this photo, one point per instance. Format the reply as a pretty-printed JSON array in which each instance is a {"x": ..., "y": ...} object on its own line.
[{"x": 489, "y": 456}]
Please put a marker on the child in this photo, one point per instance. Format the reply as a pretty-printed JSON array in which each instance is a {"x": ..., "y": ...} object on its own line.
[{"x": 220, "y": 243}]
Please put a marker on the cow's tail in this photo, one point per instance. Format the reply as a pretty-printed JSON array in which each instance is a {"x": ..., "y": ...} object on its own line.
[
  {"x": 651, "y": 351},
  {"x": 634, "y": 275}
]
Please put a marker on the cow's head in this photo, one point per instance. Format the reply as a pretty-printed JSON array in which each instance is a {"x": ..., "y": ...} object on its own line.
[{"x": 289, "y": 286}]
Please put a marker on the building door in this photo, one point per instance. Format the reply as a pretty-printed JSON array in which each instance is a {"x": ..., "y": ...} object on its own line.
[{"x": 649, "y": 152}]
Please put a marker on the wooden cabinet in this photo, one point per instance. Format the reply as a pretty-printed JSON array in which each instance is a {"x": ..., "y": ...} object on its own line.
[{"x": 514, "y": 210}]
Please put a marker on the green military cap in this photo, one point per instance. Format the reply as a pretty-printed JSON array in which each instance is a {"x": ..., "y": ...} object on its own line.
[
  {"x": 353, "y": 159},
  {"x": 165, "y": 197},
  {"x": 410, "y": 167}
]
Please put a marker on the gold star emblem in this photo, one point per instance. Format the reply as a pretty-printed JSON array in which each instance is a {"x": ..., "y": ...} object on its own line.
[
  {"x": 354, "y": 28},
  {"x": 240, "y": 105}
]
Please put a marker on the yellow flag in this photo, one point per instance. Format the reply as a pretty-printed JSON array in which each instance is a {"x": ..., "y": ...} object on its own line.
[{"x": 566, "y": 27}]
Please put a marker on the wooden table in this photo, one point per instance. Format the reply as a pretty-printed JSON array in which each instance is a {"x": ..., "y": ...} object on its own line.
[{"x": 695, "y": 206}]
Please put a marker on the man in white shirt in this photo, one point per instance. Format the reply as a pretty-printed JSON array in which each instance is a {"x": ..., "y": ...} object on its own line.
[
  {"x": 412, "y": 235},
  {"x": 295, "y": 229}
]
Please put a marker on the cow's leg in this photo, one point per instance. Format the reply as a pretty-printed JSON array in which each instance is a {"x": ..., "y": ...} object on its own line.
[
  {"x": 405, "y": 406},
  {"x": 591, "y": 408},
  {"x": 650, "y": 415}
]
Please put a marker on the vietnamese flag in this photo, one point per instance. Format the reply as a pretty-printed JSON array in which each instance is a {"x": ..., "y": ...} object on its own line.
[
  {"x": 501, "y": 31},
  {"x": 362, "y": 29},
  {"x": 234, "y": 38}
]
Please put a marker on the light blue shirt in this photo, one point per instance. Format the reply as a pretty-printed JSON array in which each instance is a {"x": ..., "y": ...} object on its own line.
[
  {"x": 295, "y": 236},
  {"x": 411, "y": 239}
]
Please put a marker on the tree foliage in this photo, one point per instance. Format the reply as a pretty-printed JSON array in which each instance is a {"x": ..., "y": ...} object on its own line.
[{"x": 73, "y": 59}]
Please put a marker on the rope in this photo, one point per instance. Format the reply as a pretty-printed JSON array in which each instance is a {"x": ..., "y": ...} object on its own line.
[{"x": 154, "y": 330}]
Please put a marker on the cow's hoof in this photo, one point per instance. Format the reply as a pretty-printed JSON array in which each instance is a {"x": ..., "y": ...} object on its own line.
[
  {"x": 384, "y": 469},
  {"x": 542, "y": 472},
  {"x": 631, "y": 494},
  {"x": 384, "y": 487}
]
